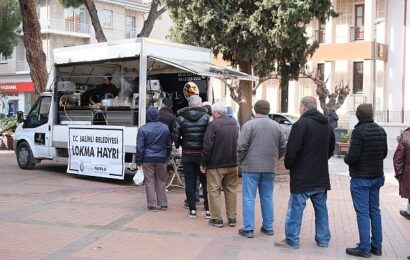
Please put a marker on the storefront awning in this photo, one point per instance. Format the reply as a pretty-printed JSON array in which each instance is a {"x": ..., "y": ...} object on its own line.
[{"x": 206, "y": 69}]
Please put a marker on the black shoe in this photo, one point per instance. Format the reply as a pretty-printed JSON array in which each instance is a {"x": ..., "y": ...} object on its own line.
[
  {"x": 164, "y": 208},
  {"x": 405, "y": 214},
  {"x": 216, "y": 222},
  {"x": 244, "y": 233},
  {"x": 376, "y": 251},
  {"x": 232, "y": 222},
  {"x": 267, "y": 232},
  {"x": 152, "y": 208},
  {"x": 357, "y": 251}
]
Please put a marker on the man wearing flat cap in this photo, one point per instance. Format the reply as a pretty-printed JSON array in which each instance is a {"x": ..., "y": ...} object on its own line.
[
  {"x": 368, "y": 148},
  {"x": 261, "y": 143}
]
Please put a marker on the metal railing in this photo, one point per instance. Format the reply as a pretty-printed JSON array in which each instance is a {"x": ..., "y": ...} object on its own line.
[
  {"x": 392, "y": 116},
  {"x": 358, "y": 99},
  {"x": 356, "y": 33},
  {"x": 65, "y": 26}
]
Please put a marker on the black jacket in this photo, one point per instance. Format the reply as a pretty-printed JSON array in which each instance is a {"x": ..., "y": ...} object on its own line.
[
  {"x": 368, "y": 148},
  {"x": 220, "y": 144},
  {"x": 311, "y": 143},
  {"x": 189, "y": 129},
  {"x": 166, "y": 116}
]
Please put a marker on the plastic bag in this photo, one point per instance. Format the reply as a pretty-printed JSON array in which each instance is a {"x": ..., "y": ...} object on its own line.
[{"x": 139, "y": 177}]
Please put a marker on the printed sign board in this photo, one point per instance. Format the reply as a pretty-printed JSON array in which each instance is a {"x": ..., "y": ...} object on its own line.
[{"x": 96, "y": 152}]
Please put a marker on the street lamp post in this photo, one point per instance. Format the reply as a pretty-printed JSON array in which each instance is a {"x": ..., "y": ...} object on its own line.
[{"x": 376, "y": 22}]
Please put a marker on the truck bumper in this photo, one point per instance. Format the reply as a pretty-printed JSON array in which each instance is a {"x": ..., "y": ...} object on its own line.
[{"x": 14, "y": 145}]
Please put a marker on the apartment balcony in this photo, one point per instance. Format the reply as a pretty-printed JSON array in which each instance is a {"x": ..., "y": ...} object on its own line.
[
  {"x": 356, "y": 33},
  {"x": 64, "y": 27}
]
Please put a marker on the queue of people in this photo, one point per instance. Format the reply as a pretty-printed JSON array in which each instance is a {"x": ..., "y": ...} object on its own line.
[{"x": 212, "y": 151}]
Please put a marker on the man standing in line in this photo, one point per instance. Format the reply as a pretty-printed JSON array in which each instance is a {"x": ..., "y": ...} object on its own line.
[
  {"x": 219, "y": 162},
  {"x": 188, "y": 132},
  {"x": 311, "y": 143},
  {"x": 166, "y": 115},
  {"x": 368, "y": 148},
  {"x": 401, "y": 161},
  {"x": 261, "y": 143},
  {"x": 154, "y": 147}
]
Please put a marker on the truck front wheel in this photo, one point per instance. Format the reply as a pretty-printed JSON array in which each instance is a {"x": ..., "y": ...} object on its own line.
[{"x": 25, "y": 158}]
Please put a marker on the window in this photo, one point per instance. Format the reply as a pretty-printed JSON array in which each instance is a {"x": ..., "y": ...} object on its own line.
[
  {"x": 358, "y": 22},
  {"x": 39, "y": 113},
  {"x": 107, "y": 18},
  {"x": 130, "y": 27},
  {"x": 320, "y": 33},
  {"x": 320, "y": 71},
  {"x": 74, "y": 20},
  {"x": 358, "y": 77}
]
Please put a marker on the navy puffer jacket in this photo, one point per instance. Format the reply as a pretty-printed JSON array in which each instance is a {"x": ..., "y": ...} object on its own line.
[
  {"x": 154, "y": 143},
  {"x": 189, "y": 128}
]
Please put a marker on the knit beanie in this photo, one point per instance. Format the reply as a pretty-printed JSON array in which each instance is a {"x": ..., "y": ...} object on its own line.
[
  {"x": 262, "y": 107},
  {"x": 364, "y": 111}
]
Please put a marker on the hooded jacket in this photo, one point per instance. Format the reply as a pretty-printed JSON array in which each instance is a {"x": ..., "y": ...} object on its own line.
[
  {"x": 311, "y": 143},
  {"x": 154, "y": 143},
  {"x": 401, "y": 161},
  {"x": 368, "y": 148},
  {"x": 189, "y": 129}
]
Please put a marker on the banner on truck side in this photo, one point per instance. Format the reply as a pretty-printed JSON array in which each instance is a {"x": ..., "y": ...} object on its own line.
[{"x": 96, "y": 152}]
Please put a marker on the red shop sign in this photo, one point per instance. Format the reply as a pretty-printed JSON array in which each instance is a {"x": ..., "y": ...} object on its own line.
[{"x": 16, "y": 87}]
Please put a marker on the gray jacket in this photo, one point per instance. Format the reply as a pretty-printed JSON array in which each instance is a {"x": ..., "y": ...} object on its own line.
[{"x": 261, "y": 143}]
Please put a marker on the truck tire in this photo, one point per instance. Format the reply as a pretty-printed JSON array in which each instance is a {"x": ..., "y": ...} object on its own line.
[{"x": 24, "y": 156}]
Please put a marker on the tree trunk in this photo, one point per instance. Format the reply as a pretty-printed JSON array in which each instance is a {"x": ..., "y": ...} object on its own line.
[
  {"x": 35, "y": 55},
  {"x": 152, "y": 17},
  {"x": 245, "y": 95},
  {"x": 284, "y": 88},
  {"x": 99, "y": 33}
]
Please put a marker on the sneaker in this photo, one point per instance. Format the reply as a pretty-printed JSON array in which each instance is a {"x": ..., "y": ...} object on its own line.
[
  {"x": 232, "y": 222},
  {"x": 357, "y": 251},
  {"x": 245, "y": 233},
  {"x": 267, "y": 231},
  {"x": 152, "y": 208},
  {"x": 376, "y": 251},
  {"x": 284, "y": 244},
  {"x": 192, "y": 214},
  {"x": 164, "y": 208},
  {"x": 405, "y": 214},
  {"x": 216, "y": 222},
  {"x": 207, "y": 214},
  {"x": 322, "y": 244}
]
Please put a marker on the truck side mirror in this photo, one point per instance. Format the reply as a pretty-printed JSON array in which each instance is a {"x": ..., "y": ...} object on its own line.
[{"x": 20, "y": 116}]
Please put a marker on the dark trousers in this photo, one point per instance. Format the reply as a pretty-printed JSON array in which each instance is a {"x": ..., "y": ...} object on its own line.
[{"x": 192, "y": 172}]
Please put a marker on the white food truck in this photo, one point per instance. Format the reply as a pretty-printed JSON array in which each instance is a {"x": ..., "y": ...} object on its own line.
[{"x": 97, "y": 136}]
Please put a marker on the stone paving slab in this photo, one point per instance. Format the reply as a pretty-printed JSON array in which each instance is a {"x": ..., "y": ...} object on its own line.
[{"x": 46, "y": 213}]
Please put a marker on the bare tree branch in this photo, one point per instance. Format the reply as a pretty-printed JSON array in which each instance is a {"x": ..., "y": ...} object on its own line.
[{"x": 263, "y": 79}]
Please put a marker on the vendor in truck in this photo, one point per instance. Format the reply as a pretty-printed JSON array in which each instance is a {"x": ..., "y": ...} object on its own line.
[{"x": 106, "y": 90}]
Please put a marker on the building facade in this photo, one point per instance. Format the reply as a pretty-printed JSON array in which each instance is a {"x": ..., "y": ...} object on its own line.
[{"x": 63, "y": 27}]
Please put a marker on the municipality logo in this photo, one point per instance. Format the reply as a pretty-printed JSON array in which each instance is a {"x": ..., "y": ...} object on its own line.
[{"x": 81, "y": 167}]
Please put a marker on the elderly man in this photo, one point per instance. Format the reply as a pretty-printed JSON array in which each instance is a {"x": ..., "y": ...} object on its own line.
[
  {"x": 310, "y": 145},
  {"x": 219, "y": 161},
  {"x": 261, "y": 143},
  {"x": 188, "y": 131},
  {"x": 368, "y": 148}
]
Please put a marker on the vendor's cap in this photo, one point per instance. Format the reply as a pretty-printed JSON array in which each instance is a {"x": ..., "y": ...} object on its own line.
[
  {"x": 364, "y": 111},
  {"x": 262, "y": 107}
]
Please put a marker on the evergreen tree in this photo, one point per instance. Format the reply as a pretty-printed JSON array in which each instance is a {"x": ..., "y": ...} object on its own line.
[{"x": 9, "y": 22}]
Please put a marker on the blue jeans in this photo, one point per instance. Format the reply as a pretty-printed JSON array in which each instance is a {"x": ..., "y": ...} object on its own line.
[
  {"x": 264, "y": 182},
  {"x": 366, "y": 202},
  {"x": 294, "y": 215}
]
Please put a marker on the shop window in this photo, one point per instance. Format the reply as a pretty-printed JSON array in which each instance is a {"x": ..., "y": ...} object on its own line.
[{"x": 357, "y": 77}]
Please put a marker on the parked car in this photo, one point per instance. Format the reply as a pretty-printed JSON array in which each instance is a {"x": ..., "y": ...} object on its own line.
[{"x": 285, "y": 120}]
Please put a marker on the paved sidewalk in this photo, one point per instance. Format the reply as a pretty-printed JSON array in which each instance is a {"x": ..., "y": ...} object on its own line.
[{"x": 48, "y": 214}]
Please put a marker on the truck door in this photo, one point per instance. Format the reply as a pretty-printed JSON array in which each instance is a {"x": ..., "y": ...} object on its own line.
[{"x": 38, "y": 127}]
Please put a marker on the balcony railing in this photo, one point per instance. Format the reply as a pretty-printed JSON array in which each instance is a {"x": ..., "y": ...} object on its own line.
[
  {"x": 65, "y": 26},
  {"x": 358, "y": 99},
  {"x": 320, "y": 35},
  {"x": 130, "y": 33},
  {"x": 22, "y": 66},
  {"x": 392, "y": 116},
  {"x": 356, "y": 33}
]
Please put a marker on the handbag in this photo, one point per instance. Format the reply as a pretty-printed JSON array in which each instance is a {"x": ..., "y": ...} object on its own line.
[{"x": 138, "y": 177}]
